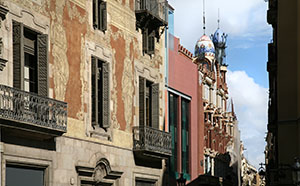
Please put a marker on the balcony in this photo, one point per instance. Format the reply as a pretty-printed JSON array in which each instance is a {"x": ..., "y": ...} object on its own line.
[
  {"x": 152, "y": 142},
  {"x": 151, "y": 13},
  {"x": 30, "y": 112}
]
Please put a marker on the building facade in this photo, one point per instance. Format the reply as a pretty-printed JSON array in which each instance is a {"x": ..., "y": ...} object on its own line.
[
  {"x": 82, "y": 92},
  {"x": 206, "y": 151},
  {"x": 221, "y": 135},
  {"x": 282, "y": 150},
  {"x": 183, "y": 113}
]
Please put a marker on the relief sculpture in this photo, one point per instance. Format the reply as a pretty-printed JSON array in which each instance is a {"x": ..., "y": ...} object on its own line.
[
  {"x": 59, "y": 49},
  {"x": 127, "y": 86}
]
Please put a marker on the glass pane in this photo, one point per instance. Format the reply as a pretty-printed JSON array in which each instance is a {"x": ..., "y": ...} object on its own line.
[
  {"x": 185, "y": 134},
  {"x": 25, "y": 176},
  {"x": 26, "y": 86},
  {"x": 26, "y": 72}
]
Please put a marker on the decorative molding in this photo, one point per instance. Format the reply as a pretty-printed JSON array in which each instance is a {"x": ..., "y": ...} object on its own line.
[
  {"x": 3, "y": 12},
  {"x": 2, "y": 63},
  {"x": 102, "y": 173}
]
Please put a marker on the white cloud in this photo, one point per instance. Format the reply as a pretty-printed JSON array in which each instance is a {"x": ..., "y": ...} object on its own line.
[
  {"x": 239, "y": 18},
  {"x": 250, "y": 103}
]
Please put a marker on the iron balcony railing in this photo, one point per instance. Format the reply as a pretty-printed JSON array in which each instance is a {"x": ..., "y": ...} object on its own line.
[
  {"x": 152, "y": 140},
  {"x": 29, "y": 108},
  {"x": 157, "y": 8}
]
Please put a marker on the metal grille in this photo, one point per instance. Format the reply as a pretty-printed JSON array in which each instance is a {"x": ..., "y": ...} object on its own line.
[
  {"x": 153, "y": 140},
  {"x": 30, "y": 108},
  {"x": 158, "y": 8}
]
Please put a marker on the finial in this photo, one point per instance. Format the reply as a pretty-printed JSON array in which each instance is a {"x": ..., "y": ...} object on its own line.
[
  {"x": 204, "y": 16},
  {"x": 218, "y": 17}
]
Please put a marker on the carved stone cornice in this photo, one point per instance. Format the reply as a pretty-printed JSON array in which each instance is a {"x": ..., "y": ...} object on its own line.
[
  {"x": 3, "y": 12},
  {"x": 2, "y": 63}
]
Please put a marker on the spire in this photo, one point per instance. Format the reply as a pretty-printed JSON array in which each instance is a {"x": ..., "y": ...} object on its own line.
[
  {"x": 204, "y": 16},
  {"x": 218, "y": 17},
  {"x": 232, "y": 108}
]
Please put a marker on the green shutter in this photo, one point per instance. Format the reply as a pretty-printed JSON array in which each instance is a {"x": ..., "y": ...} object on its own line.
[
  {"x": 95, "y": 14},
  {"x": 145, "y": 41},
  {"x": 94, "y": 92},
  {"x": 42, "y": 57},
  {"x": 103, "y": 17},
  {"x": 105, "y": 93},
  {"x": 155, "y": 105},
  {"x": 18, "y": 55},
  {"x": 142, "y": 101},
  {"x": 151, "y": 43}
]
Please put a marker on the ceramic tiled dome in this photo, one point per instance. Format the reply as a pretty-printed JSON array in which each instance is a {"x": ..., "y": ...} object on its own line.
[{"x": 205, "y": 48}]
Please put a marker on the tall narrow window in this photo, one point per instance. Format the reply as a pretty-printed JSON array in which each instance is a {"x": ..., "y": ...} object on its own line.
[
  {"x": 148, "y": 41},
  {"x": 30, "y": 60},
  {"x": 173, "y": 122},
  {"x": 21, "y": 175},
  {"x": 185, "y": 113},
  {"x": 148, "y": 103},
  {"x": 99, "y": 15},
  {"x": 100, "y": 93}
]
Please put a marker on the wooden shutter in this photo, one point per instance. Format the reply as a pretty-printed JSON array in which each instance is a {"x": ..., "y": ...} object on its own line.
[
  {"x": 42, "y": 58},
  {"x": 155, "y": 105},
  {"x": 103, "y": 17},
  {"x": 94, "y": 92},
  {"x": 18, "y": 55},
  {"x": 151, "y": 43},
  {"x": 145, "y": 41},
  {"x": 142, "y": 101},
  {"x": 105, "y": 93},
  {"x": 95, "y": 14}
]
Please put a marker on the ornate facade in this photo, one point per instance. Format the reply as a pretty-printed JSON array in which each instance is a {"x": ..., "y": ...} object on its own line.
[{"x": 82, "y": 90}]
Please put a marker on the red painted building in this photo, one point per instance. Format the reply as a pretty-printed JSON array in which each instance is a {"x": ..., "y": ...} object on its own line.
[
  {"x": 182, "y": 119},
  {"x": 205, "y": 146}
]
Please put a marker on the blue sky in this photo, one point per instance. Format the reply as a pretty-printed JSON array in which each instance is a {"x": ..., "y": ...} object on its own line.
[{"x": 248, "y": 34}]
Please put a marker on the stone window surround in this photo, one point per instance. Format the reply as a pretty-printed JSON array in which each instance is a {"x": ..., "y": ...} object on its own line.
[
  {"x": 103, "y": 54},
  {"x": 149, "y": 74},
  {"x": 32, "y": 20},
  {"x": 146, "y": 177},
  {"x": 28, "y": 162}
]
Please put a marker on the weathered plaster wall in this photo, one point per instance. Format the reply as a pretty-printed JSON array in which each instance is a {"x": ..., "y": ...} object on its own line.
[{"x": 72, "y": 42}]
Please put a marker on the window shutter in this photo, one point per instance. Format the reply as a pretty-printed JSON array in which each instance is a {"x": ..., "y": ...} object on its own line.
[
  {"x": 95, "y": 14},
  {"x": 18, "y": 55},
  {"x": 103, "y": 17},
  {"x": 145, "y": 41},
  {"x": 42, "y": 57},
  {"x": 142, "y": 101},
  {"x": 94, "y": 92},
  {"x": 155, "y": 105},
  {"x": 105, "y": 93},
  {"x": 151, "y": 43}
]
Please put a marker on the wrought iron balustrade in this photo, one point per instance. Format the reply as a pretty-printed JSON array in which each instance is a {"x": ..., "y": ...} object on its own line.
[
  {"x": 152, "y": 140},
  {"x": 158, "y": 8},
  {"x": 29, "y": 108}
]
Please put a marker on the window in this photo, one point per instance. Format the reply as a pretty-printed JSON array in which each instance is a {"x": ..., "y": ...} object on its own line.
[
  {"x": 206, "y": 92},
  {"x": 185, "y": 113},
  {"x": 148, "y": 41},
  {"x": 148, "y": 103},
  {"x": 207, "y": 169},
  {"x": 25, "y": 176},
  {"x": 30, "y": 60},
  {"x": 99, "y": 15},
  {"x": 100, "y": 93},
  {"x": 173, "y": 120}
]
